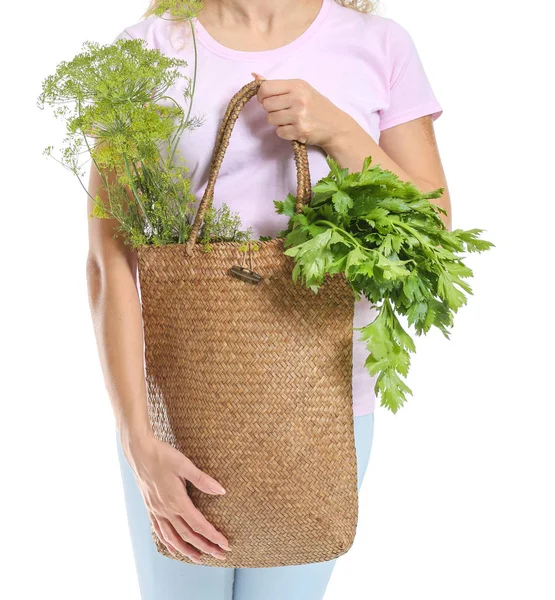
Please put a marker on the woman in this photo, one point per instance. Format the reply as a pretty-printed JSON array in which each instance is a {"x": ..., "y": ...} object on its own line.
[{"x": 349, "y": 84}]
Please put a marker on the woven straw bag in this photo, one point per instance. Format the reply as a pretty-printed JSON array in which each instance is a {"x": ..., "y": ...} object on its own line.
[{"x": 254, "y": 384}]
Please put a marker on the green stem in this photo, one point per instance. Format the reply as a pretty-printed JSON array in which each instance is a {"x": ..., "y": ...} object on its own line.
[
  {"x": 104, "y": 180},
  {"x": 426, "y": 247},
  {"x": 178, "y": 130},
  {"x": 166, "y": 168},
  {"x": 142, "y": 184},
  {"x": 193, "y": 85},
  {"x": 194, "y": 70},
  {"x": 429, "y": 250},
  {"x": 134, "y": 189},
  {"x": 343, "y": 232}
]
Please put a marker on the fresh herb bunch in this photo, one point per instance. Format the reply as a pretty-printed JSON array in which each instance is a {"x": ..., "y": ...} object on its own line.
[
  {"x": 180, "y": 9},
  {"x": 114, "y": 101},
  {"x": 112, "y": 94},
  {"x": 221, "y": 225},
  {"x": 393, "y": 247}
]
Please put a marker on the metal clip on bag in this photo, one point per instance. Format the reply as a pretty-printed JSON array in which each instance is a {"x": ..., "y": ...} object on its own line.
[{"x": 254, "y": 384}]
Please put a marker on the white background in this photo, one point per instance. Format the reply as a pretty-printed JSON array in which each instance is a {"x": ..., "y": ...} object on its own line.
[{"x": 457, "y": 496}]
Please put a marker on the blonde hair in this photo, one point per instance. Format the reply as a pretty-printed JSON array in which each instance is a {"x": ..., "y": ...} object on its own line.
[{"x": 364, "y": 6}]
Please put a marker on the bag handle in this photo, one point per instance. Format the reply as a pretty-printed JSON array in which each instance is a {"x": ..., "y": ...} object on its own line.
[{"x": 234, "y": 107}]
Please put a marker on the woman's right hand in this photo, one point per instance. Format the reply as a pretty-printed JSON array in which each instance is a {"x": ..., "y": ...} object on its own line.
[{"x": 161, "y": 471}]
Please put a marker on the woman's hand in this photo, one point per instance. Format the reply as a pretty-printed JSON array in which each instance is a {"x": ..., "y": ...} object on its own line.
[
  {"x": 300, "y": 112},
  {"x": 161, "y": 471}
]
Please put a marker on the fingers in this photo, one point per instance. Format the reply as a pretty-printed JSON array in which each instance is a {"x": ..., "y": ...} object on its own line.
[
  {"x": 199, "y": 528},
  {"x": 179, "y": 525},
  {"x": 178, "y": 535},
  {"x": 277, "y": 103},
  {"x": 285, "y": 101},
  {"x": 199, "y": 524},
  {"x": 281, "y": 117},
  {"x": 170, "y": 535},
  {"x": 200, "y": 479},
  {"x": 198, "y": 541},
  {"x": 291, "y": 132},
  {"x": 159, "y": 533},
  {"x": 275, "y": 87}
]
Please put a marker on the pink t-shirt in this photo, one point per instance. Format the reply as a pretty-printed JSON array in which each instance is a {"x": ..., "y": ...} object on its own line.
[{"x": 366, "y": 64}]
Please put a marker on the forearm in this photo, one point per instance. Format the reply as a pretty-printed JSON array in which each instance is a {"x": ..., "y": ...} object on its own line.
[
  {"x": 351, "y": 144},
  {"x": 117, "y": 319}
]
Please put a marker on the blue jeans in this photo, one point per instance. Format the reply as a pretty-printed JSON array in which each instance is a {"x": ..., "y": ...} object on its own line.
[{"x": 164, "y": 578}]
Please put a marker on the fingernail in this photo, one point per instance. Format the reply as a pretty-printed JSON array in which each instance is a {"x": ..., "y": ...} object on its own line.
[
  {"x": 195, "y": 560},
  {"x": 218, "y": 556},
  {"x": 224, "y": 545},
  {"x": 217, "y": 489}
]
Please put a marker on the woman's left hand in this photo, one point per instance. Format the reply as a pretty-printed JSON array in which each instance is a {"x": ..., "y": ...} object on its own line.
[{"x": 300, "y": 112}]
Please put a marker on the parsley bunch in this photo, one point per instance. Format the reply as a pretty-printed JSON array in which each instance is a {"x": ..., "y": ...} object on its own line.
[{"x": 393, "y": 247}]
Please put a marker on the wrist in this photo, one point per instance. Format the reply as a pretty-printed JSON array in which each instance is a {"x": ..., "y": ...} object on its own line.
[
  {"x": 135, "y": 436},
  {"x": 344, "y": 130}
]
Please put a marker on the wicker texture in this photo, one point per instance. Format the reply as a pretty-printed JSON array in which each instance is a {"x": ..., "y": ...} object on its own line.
[{"x": 254, "y": 384}]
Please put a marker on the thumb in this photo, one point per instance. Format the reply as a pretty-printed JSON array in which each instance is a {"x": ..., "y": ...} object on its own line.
[
  {"x": 201, "y": 480},
  {"x": 257, "y": 76}
]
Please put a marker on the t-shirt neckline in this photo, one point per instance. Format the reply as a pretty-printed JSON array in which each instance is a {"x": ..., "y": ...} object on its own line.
[{"x": 246, "y": 55}]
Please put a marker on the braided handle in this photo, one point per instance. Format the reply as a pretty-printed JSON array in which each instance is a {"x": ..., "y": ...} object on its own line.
[{"x": 222, "y": 140}]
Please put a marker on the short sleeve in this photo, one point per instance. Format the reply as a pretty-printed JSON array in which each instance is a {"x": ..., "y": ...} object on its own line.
[
  {"x": 123, "y": 35},
  {"x": 410, "y": 93}
]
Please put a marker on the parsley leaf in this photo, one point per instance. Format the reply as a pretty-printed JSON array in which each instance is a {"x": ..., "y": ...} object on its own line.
[{"x": 389, "y": 240}]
